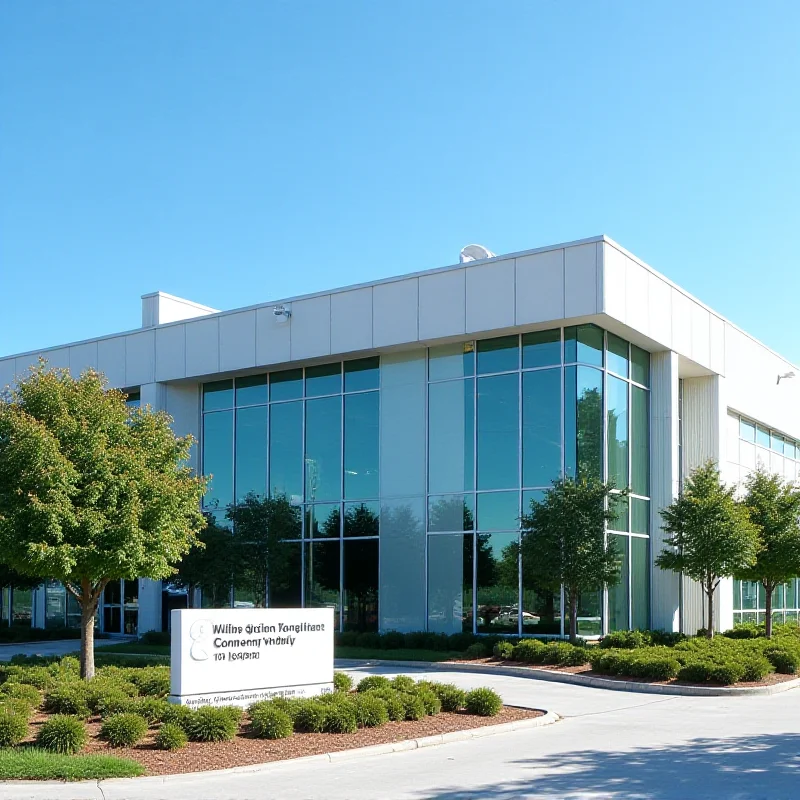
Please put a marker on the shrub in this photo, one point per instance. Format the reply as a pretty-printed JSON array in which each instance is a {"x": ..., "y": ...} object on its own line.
[
  {"x": 393, "y": 701},
  {"x": 310, "y": 716},
  {"x": 529, "y": 651},
  {"x": 392, "y": 640},
  {"x": 403, "y": 683},
  {"x": 451, "y": 697},
  {"x": 425, "y": 640},
  {"x": 340, "y": 718},
  {"x": 726, "y": 673},
  {"x": 178, "y": 715},
  {"x": 210, "y": 724},
  {"x": 654, "y": 667},
  {"x": 756, "y": 667},
  {"x": 370, "y": 640},
  {"x": 433, "y": 705},
  {"x": 124, "y": 730},
  {"x": 155, "y": 637},
  {"x": 13, "y": 728},
  {"x": 696, "y": 672},
  {"x": 475, "y": 651},
  {"x": 113, "y": 703},
  {"x": 373, "y": 682},
  {"x": 171, "y": 736},
  {"x": 62, "y": 734},
  {"x": 783, "y": 660},
  {"x": 70, "y": 699},
  {"x": 745, "y": 630},
  {"x": 342, "y": 682},
  {"x": 13, "y": 705},
  {"x": 22, "y": 691},
  {"x": 151, "y": 708},
  {"x": 69, "y": 665},
  {"x": 269, "y": 722},
  {"x": 38, "y": 677},
  {"x": 413, "y": 705},
  {"x": 346, "y": 639},
  {"x": 503, "y": 650},
  {"x": 151, "y": 681},
  {"x": 483, "y": 702},
  {"x": 666, "y": 638},
  {"x": 371, "y": 711},
  {"x": 625, "y": 640}
]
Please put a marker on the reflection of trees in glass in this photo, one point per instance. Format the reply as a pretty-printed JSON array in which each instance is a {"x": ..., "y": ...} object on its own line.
[
  {"x": 590, "y": 433},
  {"x": 450, "y": 513},
  {"x": 360, "y": 600}
]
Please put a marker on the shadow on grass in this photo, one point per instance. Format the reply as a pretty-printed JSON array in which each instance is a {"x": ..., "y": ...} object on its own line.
[{"x": 766, "y": 766}]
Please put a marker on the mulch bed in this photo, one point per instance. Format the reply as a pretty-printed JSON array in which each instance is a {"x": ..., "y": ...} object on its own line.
[{"x": 245, "y": 749}]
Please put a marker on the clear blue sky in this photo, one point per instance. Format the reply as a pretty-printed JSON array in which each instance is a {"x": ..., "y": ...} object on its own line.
[{"x": 239, "y": 152}]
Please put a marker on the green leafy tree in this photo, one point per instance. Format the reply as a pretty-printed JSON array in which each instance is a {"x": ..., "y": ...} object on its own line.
[
  {"x": 775, "y": 511},
  {"x": 564, "y": 540},
  {"x": 710, "y": 534},
  {"x": 90, "y": 490}
]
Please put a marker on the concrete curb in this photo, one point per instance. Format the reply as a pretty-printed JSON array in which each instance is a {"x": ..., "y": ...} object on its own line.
[{"x": 579, "y": 680}]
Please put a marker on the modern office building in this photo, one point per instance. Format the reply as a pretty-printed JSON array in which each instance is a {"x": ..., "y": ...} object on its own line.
[{"x": 411, "y": 421}]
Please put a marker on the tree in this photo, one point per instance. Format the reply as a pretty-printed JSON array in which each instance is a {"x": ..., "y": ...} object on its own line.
[
  {"x": 564, "y": 540},
  {"x": 91, "y": 490},
  {"x": 775, "y": 511},
  {"x": 710, "y": 534}
]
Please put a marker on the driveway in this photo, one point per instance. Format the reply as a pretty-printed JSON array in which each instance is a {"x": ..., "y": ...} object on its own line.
[{"x": 610, "y": 744}]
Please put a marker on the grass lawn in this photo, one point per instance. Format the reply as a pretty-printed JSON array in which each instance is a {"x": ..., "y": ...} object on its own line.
[{"x": 28, "y": 763}]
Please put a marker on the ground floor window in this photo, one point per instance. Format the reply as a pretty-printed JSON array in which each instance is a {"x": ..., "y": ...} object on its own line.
[
  {"x": 120, "y": 607},
  {"x": 749, "y": 602}
]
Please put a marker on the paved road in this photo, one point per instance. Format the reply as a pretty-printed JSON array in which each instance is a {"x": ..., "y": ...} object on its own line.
[{"x": 609, "y": 745}]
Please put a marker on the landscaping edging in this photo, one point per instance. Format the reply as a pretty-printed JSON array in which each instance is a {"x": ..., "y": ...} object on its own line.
[{"x": 578, "y": 679}]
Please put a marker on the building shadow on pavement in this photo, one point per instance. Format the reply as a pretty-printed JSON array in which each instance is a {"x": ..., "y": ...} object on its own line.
[{"x": 766, "y": 766}]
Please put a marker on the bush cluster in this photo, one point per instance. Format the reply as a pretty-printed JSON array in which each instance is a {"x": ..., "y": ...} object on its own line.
[
  {"x": 171, "y": 736},
  {"x": 653, "y": 664},
  {"x": 270, "y": 722},
  {"x": 62, "y": 734},
  {"x": 417, "y": 640},
  {"x": 484, "y": 702},
  {"x": 124, "y": 730},
  {"x": 534, "y": 651},
  {"x": 214, "y": 724},
  {"x": 342, "y": 682},
  {"x": 13, "y": 727}
]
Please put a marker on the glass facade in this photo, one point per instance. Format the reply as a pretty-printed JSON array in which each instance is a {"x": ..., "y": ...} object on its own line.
[{"x": 413, "y": 470}]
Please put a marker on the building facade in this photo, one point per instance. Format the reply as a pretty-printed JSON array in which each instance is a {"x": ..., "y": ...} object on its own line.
[{"x": 411, "y": 421}]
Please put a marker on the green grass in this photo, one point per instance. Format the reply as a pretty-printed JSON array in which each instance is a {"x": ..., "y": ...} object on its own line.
[
  {"x": 28, "y": 763},
  {"x": 134, "y": 648},
  {"x": 401, "y": 654}
]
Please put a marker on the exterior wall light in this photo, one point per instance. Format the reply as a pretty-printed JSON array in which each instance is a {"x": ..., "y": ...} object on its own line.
[
  {"x": 785, "y": 376},
  {"x": 282, "y": 311}
]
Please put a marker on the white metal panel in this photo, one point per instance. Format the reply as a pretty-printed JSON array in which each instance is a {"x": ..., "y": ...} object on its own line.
[
  {"x": 581, "y": 280},
  {"x": 311, "y": 327},
  {"x": 23, "y": 363},
  {"x": 762, "y": 457},
  {"x": 637, "y": 296},
  {"x": 747, "y": 455},
  {"x": 615, "y": 283},
  {"x": 442, "y": 304},
  {"x": 776, "y": 463},
  {"x": 58, "y": 358},
  {"x": 701, "y": 335},
  {"x": 351, "y": 321},
  {"x": 732, "y": 439},
  {"x": 717, "y": 344},
  {"x": 659, "y": 308},
  {"x": 140, "y": 358},
  {"x": 7, "y": 373},
  {"x": 273, "y": 338},
  {"x": 395, "y": 309},
  {"x": 111, "y": 360},
  {"x": 202, "y": 346},
  {"x": 490, "y": 296},
  {"x": 82, "y": 357},
  {"x": 182, "y": 403},
  {"x": 170, "y": 352},
  {"x": 237, "y": 341},
  {"x": 540, "y": 287},
  {"x": 681, "y": 324}
]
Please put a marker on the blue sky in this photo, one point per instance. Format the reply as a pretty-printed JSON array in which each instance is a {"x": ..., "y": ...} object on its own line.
[{"x": 240, "y": 152}]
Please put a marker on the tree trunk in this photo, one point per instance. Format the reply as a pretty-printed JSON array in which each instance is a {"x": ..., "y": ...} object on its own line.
[
  {"x": 573, "y": 617},
  {"x": 87, "y": 639},
  {"x": 710, "y": 595},
  {"x": 768, "y": 588}
]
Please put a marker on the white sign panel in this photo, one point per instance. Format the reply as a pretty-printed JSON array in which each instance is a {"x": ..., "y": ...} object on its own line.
[{"x": 237, "y": 656}]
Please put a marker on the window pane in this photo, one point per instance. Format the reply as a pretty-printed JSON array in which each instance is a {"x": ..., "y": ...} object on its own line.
[
  {"x": 541, "y": 348},
  {"x": 589, "y": 619},
  {"x": 617, "y": 430},
  {"x": 640, "y": 365},
  {"x": 528, "y": 496},
  {"x": 112, "y": 619},
  {"x": 451, "y": 361},
  {"x": 245, "y": 598},
  {"x": 450, "y": 583},
  {"x": 640, "y": 584},
  {"x": 498, "y": 582},
  {"x": 617, "y": 355},
  {"x": 286, "y": 450},
  {"x": 112, "y": 594},
  {"x": 363, "y": 373},
  {"x": 361, "y": 437},
  {"x": 583, "y": 343},
  {"x": 620, "y": 522},
  {"x": 498, "y": 432},
  {"x": 218, "y": 458},
  {"x": 323, "y": 379},
  {"x": 640, "y": 515},
  {"x": 747, "y": 430},
  {"x": 322, "y": 577},
  {"x": 618, "y": 594},
  {"x": 360, "y": 587},
  {"x": 131, "y": 592},
  {"x": 324, "y": 449},
  {"x": 285, "y": 583},
  {"x": 583, "y": 422},
  {"x": 323, "y": 520},
  {"x": 217, "y": 395},
  {"x": 286, "y": 385},
  {"x": 498, "y": 511},
  {"x": 451, "y": 513},
  {"x": 361, "y": 519},
  {"x": 251, "y": 451},
  {"x": 789, "y": 450},
  {"x": 791, "y": 594},
  {"x": 737, "y": 595},
  {"x": 541, "y": 427},
  {"x": 762, "y": 436},
  {"x": 541, "y": 604},
  {"x": 498, "y": 355},
  {"x": 251, "y": 390},
  {"x": 133, "y": 399},
  {"x": 640, "y": 441},
  {"x": 55, "y": 613},
  {"x": 451, "y": 442},
  {"x": 749, "y": 594},
  {"x": 777, "y": 443}
]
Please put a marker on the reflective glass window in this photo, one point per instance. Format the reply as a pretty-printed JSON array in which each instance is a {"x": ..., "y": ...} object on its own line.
[
  {"x": 747, "y": 430},
  {"x": 620, "y": 521},
  {"x": 541, "y": 427},
  {"x": 251, "y": 451},
  {"x": 791, "y": 593},
  {"x": 541, "y": 602},
  {"x": 789, "y": 449},
  {"x": 112, "y": 594},
  {"x": 360, "y": 585},
  {"x": 583, "y": 343},
  {"x": 450, "y": 561},
  {"x": 498, "y": 511},
  {"x": 762, "y": 436},
  {"x": 361, "y": 374},
  {"x": 454, "y": 512},
  {"x": 617, "y": 431},
  {"x": 130, "y": 592},
  {"x": 640, "y": 583},
  {"x": 590, "y": 605},
  {"x": 749, "y": 594},
  {"x": 777, "y": 443},
  {"x": 498, "y": 432},
  {"x": 361, "y": 445},
  {"x": 112, "y": 619},
  {"x": 323, "y": 379},
  {"x": 617, "y": 355},
  {"x": 286, "y": 450},
  {"x": 640, "y": 365},
  {"x": 451, "y": 361},
  {"x": 285, "y": 583},
  {"x": 640, "y": 515},
  {"x": 218, "y": 458},
  {"x": 323, "y": 520},
  {"x": 618, "y": 593},
  {"x": 245, "y": 597},
  {"x": 322, "y": 577},
  {"x": 361, "y": 519},
  {"x": 737, "y": 595},
  {"x": 497, "y": 576},
  {"x": 55, "y": 612},
  {"x": 286, "y": 385},
  {"x": 251, "y": 390},
  {"x": 583, "y": 422},
  {"x": 217, "y": 395},
  {"x": 541, "y": 348},
  {"x": 498, "y": 355},
  {"x": 133, "y": 399},
  {"x": 531, "y": 495},
  {"x": 640, "y": 441},
  {"x": 323, "y": 458},
  {"x": 451, "y": 442}
]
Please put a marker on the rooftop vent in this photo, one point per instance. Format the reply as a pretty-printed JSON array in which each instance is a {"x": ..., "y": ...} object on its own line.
[{"x": 474, "y": 252}]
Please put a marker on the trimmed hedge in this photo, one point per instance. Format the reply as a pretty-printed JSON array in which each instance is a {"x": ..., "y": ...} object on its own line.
[
  {"x": 484, "y": 702},
  {"x": 62, "y": 734},
  {"x": 342, "y": 682},
  {"x": 212, "y": 724},
  {"x": 171, "y": 736},
  {"x": 124, "y": 730},
  {"x": 269, "y": 722}
]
